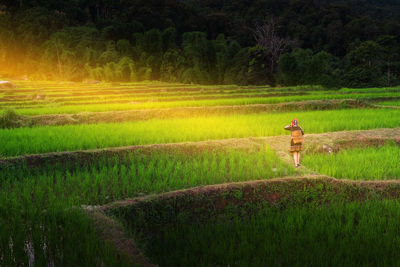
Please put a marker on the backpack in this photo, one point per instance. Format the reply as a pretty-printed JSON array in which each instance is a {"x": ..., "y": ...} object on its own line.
[{"x": 297, "y": 137}]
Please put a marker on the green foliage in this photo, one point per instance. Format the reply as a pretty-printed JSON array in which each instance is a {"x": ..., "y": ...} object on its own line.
[
  {"x": 110, "y": 54},
  {"x": 169, "y": 39},
  {"x": 302, "y": 67},
  {"x": 9, "y": 119},
  {"x": 364, "y": 65},
  {"x": 126, "y": 68},
  {"x": 153, "y": 42},
  {"x": 259, "y": 66},
  {"x": 172, "y": 66},
  {"x": 124, "y": 48},
  {"x": 342, "y": 38}
]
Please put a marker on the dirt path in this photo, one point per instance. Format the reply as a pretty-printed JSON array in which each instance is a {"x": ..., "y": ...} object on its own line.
[
  {"x": 112, "y": 233},
  {"x": 218, "y": 188},
  {"x": 383, "y": 106}
]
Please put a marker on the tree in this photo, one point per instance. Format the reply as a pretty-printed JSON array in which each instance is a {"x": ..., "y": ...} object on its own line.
[
  {"x": 169, "y": 38},
  {"x": 110, "y": 54},
  {"x": 390, "y": 50},
  {"x": 320, "y": 70},
  {"x": 364, "y": 65},
  {"x": 266, "y": 36},
  {"x": 124, "y": 48},
  {"x": 302, "y": 67}
]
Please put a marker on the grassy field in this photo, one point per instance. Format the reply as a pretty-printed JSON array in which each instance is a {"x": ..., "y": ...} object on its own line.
[
  {"x": 390, "y": 103},
  {"x": 106, "y": 180},
  {"x": 363, "y": 163},
  {"x": 74, "y": 137},
  {"x": 40, "y": 204}
]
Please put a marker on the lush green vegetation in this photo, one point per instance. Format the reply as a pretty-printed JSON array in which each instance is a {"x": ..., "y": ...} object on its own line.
[
  {"x": 106, "y": 105},
  {"x": 148, "y": 55},
  {"x": 324, "y": 42},
  {"x": 75, "y": 137},
  {"x": 105, "y": 180},
  {"x": 390, "y": 103},
  {"x": 39, "y": 206},
  {"x": 49, "y": 98},
  {"x": 362, "y": 163},
  {"x": 345, "y": 234},
  {"x": 36, "y": 229}
]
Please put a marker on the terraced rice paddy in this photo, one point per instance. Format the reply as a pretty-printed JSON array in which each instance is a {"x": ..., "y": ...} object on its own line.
[
  {"x": 395, "y": 103},
  {"x": 61, "y": 208},
  {"x": 338, "y": 234},
  {"x": 55, "y": 98},
  {"x": 371, "y": 163},
  {"x": 76, "y": 137}
]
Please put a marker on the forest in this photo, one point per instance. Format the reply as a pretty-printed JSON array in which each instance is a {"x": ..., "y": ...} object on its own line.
[{"x": 352, "y": 43}]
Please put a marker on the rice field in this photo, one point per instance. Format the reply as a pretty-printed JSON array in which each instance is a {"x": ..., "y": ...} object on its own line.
[
  {"x": 43, "y": 207},
  {"x": 21, "y": 141},
  {"x": 36, "y": 98},
  {"x": 395, "y": 103},
  {"x": 363, "y": 163},
  {"x": 36, "y": 205},
  {"x": 350, "y": 234},
  {"x": 109, "y": 179}
]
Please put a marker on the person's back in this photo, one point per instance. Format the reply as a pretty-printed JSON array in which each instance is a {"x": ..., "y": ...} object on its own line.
[{"x": 297, "y": 140}]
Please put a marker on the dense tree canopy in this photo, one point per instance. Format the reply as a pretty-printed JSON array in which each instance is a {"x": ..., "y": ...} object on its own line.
[{"x": 328, "y": 42}]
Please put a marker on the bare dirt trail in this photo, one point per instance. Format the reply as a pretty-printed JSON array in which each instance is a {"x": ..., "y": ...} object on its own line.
[
  {"x": 112, "y": 233},
  {"x": 383, "y": 106}
]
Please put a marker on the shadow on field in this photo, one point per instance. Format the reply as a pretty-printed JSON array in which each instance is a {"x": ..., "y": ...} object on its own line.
[{"x": 145, "y": 218}]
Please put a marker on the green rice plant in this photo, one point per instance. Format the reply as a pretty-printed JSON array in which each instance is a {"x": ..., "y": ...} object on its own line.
[
  {"x": 39, "y": 214},
  {"x": 100, "y": 182},
  {"x": 37, "y": 108},
  {"x": 362, "y": 163},
  {"x": 390, "y": 103},
  {"x": 74, "y": 137},
  {"x": 39, "y": 230},
  {"x": 339, "y": 234}
]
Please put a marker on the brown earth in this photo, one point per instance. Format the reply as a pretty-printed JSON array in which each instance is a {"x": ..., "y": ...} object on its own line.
[
  {"x": 381, "y": 187},
  {"x": 112, "y": 233},
  {"x": 383, "y": 106}
]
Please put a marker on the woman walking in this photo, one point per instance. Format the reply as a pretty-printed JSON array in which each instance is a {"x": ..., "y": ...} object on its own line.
[{"x": 296, "y": 141}]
